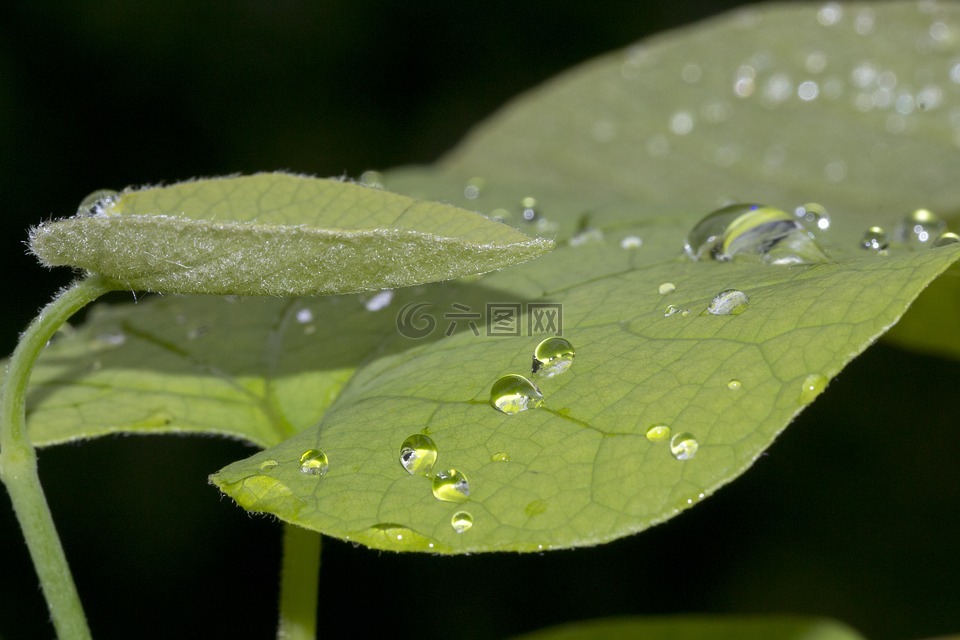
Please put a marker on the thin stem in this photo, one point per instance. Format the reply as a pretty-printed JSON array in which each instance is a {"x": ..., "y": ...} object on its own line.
[
  {"x": 299, "y": 584},
  {"x": 18, "y": 461}
]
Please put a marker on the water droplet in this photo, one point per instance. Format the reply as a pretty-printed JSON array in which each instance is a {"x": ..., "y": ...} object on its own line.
[
  {"x": 314, "y": 462},
  {"x": 874, "y": 239},
  {"x": 473, "y": 188},
  {"x": 513, "y": 393},
  {"x": 813, "y": 217},
  {"x": 812, "y": 386},
  {"x": 730, "y": 302},
  {"x": 552, "y": 357},
  {"x": 684, "y": 446},
  {"x": 631, "y": 242},
  {"x": 752, "y": 230},
  {"x": 304, "y": 316},
  {"x": 500, "y": 456},
  {"x": 658, "y": 433},
  {"x": 399, "y": 535},
  {"x": 671, "y": 310},
  {"x": 379, "y": 300},
  {"x": 528, "y": 209},
  {"x": 734, "y": 385},
  {"x": 113, "y": 338},
  {"x": 266, "y": 465},
  {"x": 946, "y": 239},
  {"x": 919, "y": 228},
  {"x": 535, "y": 508},
  {"x": 451, "y": 486},
  {"x": 461, "y": 521},
  {"x": 666, "y": 287},
  {"x": 418, "y": 454},
  {"x": 372, "y": 179},
  {"x": 94, "y": 203}
]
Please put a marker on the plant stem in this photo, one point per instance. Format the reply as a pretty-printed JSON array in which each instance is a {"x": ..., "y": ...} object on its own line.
[
  {"x": 18, "y": 461},
  {"x": 299, "y": 584}
]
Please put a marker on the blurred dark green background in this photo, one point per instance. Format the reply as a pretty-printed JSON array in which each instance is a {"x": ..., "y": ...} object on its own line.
[{"x": 852, "y": 514}]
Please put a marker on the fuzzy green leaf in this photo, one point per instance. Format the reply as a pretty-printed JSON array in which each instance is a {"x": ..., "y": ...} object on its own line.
[{"x": 276, "y": 234}]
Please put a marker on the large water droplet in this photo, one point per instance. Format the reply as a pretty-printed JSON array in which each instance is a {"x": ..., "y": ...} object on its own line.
[
  {"x": 946, "y": 239},
  {"x": 513, "y": 393},
  {"x": 752, "y": 231},
  {"x": 811, "y": 387},
  {"x": 314, "y": 462},
  {"x": 461, "y": 521},
  {"x": 684, "y": 446},
  {"x": 874, "y": 239},
  {"x": 813, "y": 217},
  {"x": 553, "y": 356},
  {"x": 730, "y": 302},
  {"x": 418, "y": 454},
  {"x": 919, "y": 228},
  {"x": 658, "y": 433},
  {"x": 451, "y": 486}
]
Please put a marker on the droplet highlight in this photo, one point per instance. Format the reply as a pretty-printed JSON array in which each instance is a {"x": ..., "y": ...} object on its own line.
[
  {"x": 658, "y": 433},
  {"x": 552, "y": 357},
  {"x": 684, "y": 446},
  {"x": 451, "y": 486},
  {"x": 418, "y": 454},
  {"x": 874, "y": 239},
  {"x": 513, "y": 393},
  {"x": 461, "y": 521},
  {"x": 730, "y": 302},
  {"x": 752, "y": 231},
  {"x": 811, "y": 387},
  {"x": 314, "y": 462}
]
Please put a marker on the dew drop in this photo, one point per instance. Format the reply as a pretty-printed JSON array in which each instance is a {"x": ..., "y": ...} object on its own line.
[
  {"x": 684, "y": 446},
  {"x": 552, "y": 357},
  {"x": 666, "y": 287},
  {"x": 451, "y": 486},
  {"x": 528, "y": 209},
  {"x": 658, "y": 433},
  {"x": 266, "y": 465},
  {"x": 513, "y": 393},
  {"x": 461, "y": 521},
  {"x": 813, "y": 217},
  {"x": 418, "y": 454},
  {"x": 671, "y": 310},
  {"x": 373, "y": 179},
  {"x": 631, "y": 242},
  {"x": 946, "y": 239},
  {"x": 874, "y": 239},
  {"x": 734, "y": 385},
  {"x": 752, "y": 230},
  {"x": 729, "y": 302},
  {"x": 919, "y": 228},
  {"x": 399, "y": 535},
  {"x": 811, "y": 387},
  {"x": 500, "y": 456},
  {"x": 94, "y": 203},
  {"x": 314, "y": 462}
]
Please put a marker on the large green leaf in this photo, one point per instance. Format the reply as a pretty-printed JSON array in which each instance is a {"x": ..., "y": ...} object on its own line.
[
  {"x": 638, "y": 145},
  {"x": 275, "y": 234}
]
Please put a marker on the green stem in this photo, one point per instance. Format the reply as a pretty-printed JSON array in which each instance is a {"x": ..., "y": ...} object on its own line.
[
  {"x": 299, "y": 584},
  {"x": 18, "y": 461}
]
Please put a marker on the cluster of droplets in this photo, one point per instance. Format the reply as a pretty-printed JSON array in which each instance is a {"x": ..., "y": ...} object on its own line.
[
  {"x": 514, "y": 393},
  {"x": 418, "y": 456}
]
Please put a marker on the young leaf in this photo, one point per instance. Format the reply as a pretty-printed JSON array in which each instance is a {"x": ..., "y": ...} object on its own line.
[{"x": 275, "y": 234}]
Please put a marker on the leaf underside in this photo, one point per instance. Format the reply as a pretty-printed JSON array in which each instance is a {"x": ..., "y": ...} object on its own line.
[{"x": 609, "y": 161}]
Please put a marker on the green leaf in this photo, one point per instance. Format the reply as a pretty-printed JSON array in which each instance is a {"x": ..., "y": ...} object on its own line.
[
  {"x": 578, "y": 470},
  {"x": 695, "y": 628},
  {"x": 275, "y": 234}
]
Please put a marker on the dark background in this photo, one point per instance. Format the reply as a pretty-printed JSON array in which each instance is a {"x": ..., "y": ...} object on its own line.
[{"x": 852, "y": 514}]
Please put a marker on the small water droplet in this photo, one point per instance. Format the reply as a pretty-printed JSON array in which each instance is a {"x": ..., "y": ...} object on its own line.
[
  {"x": 500, "y": 456},
  {"x": 314, "y": 462},
  {"x": 528, "y": 209},
  {"x": 461, "y": 521},
  {"x": 752, "y": 230},
  {"x": 399, "y": 535},
  {"x": 304, "y": 316},
  {"x": 631, "y": 242},
  {"x": 734, "y": 385},
  {"x": 730, "y": 302},
  {"x": 874, "y": 239},
  {"x": 451, "y": 486},
  {"x": 813, "y": 217},
  {"x": 535, "y": 508},
  {"x": 946, "y": 239},
  {"x": 671, "y": 310},
  {"x": 919, "y": 228},
  {"x": 658, "y": 433},
  {"x": 379, "y": 300},
  {"x": 513, "y": 393},
  {"x": 373, "y": 179},
  {"x": 266, "y": 465},
  {"x": 418, "y": 454},
  {"x": 666, "y": 287},
  {"x": 552, "y": 357},
  {"x": 94, "y": 203},
  {"x": 685, "y": 313},
  {"x": 811, "y": 387},
  {"x": 684, "y": 446},
  {"x": 113, "y": 338},
  {"x": 473, "y": 188}
]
